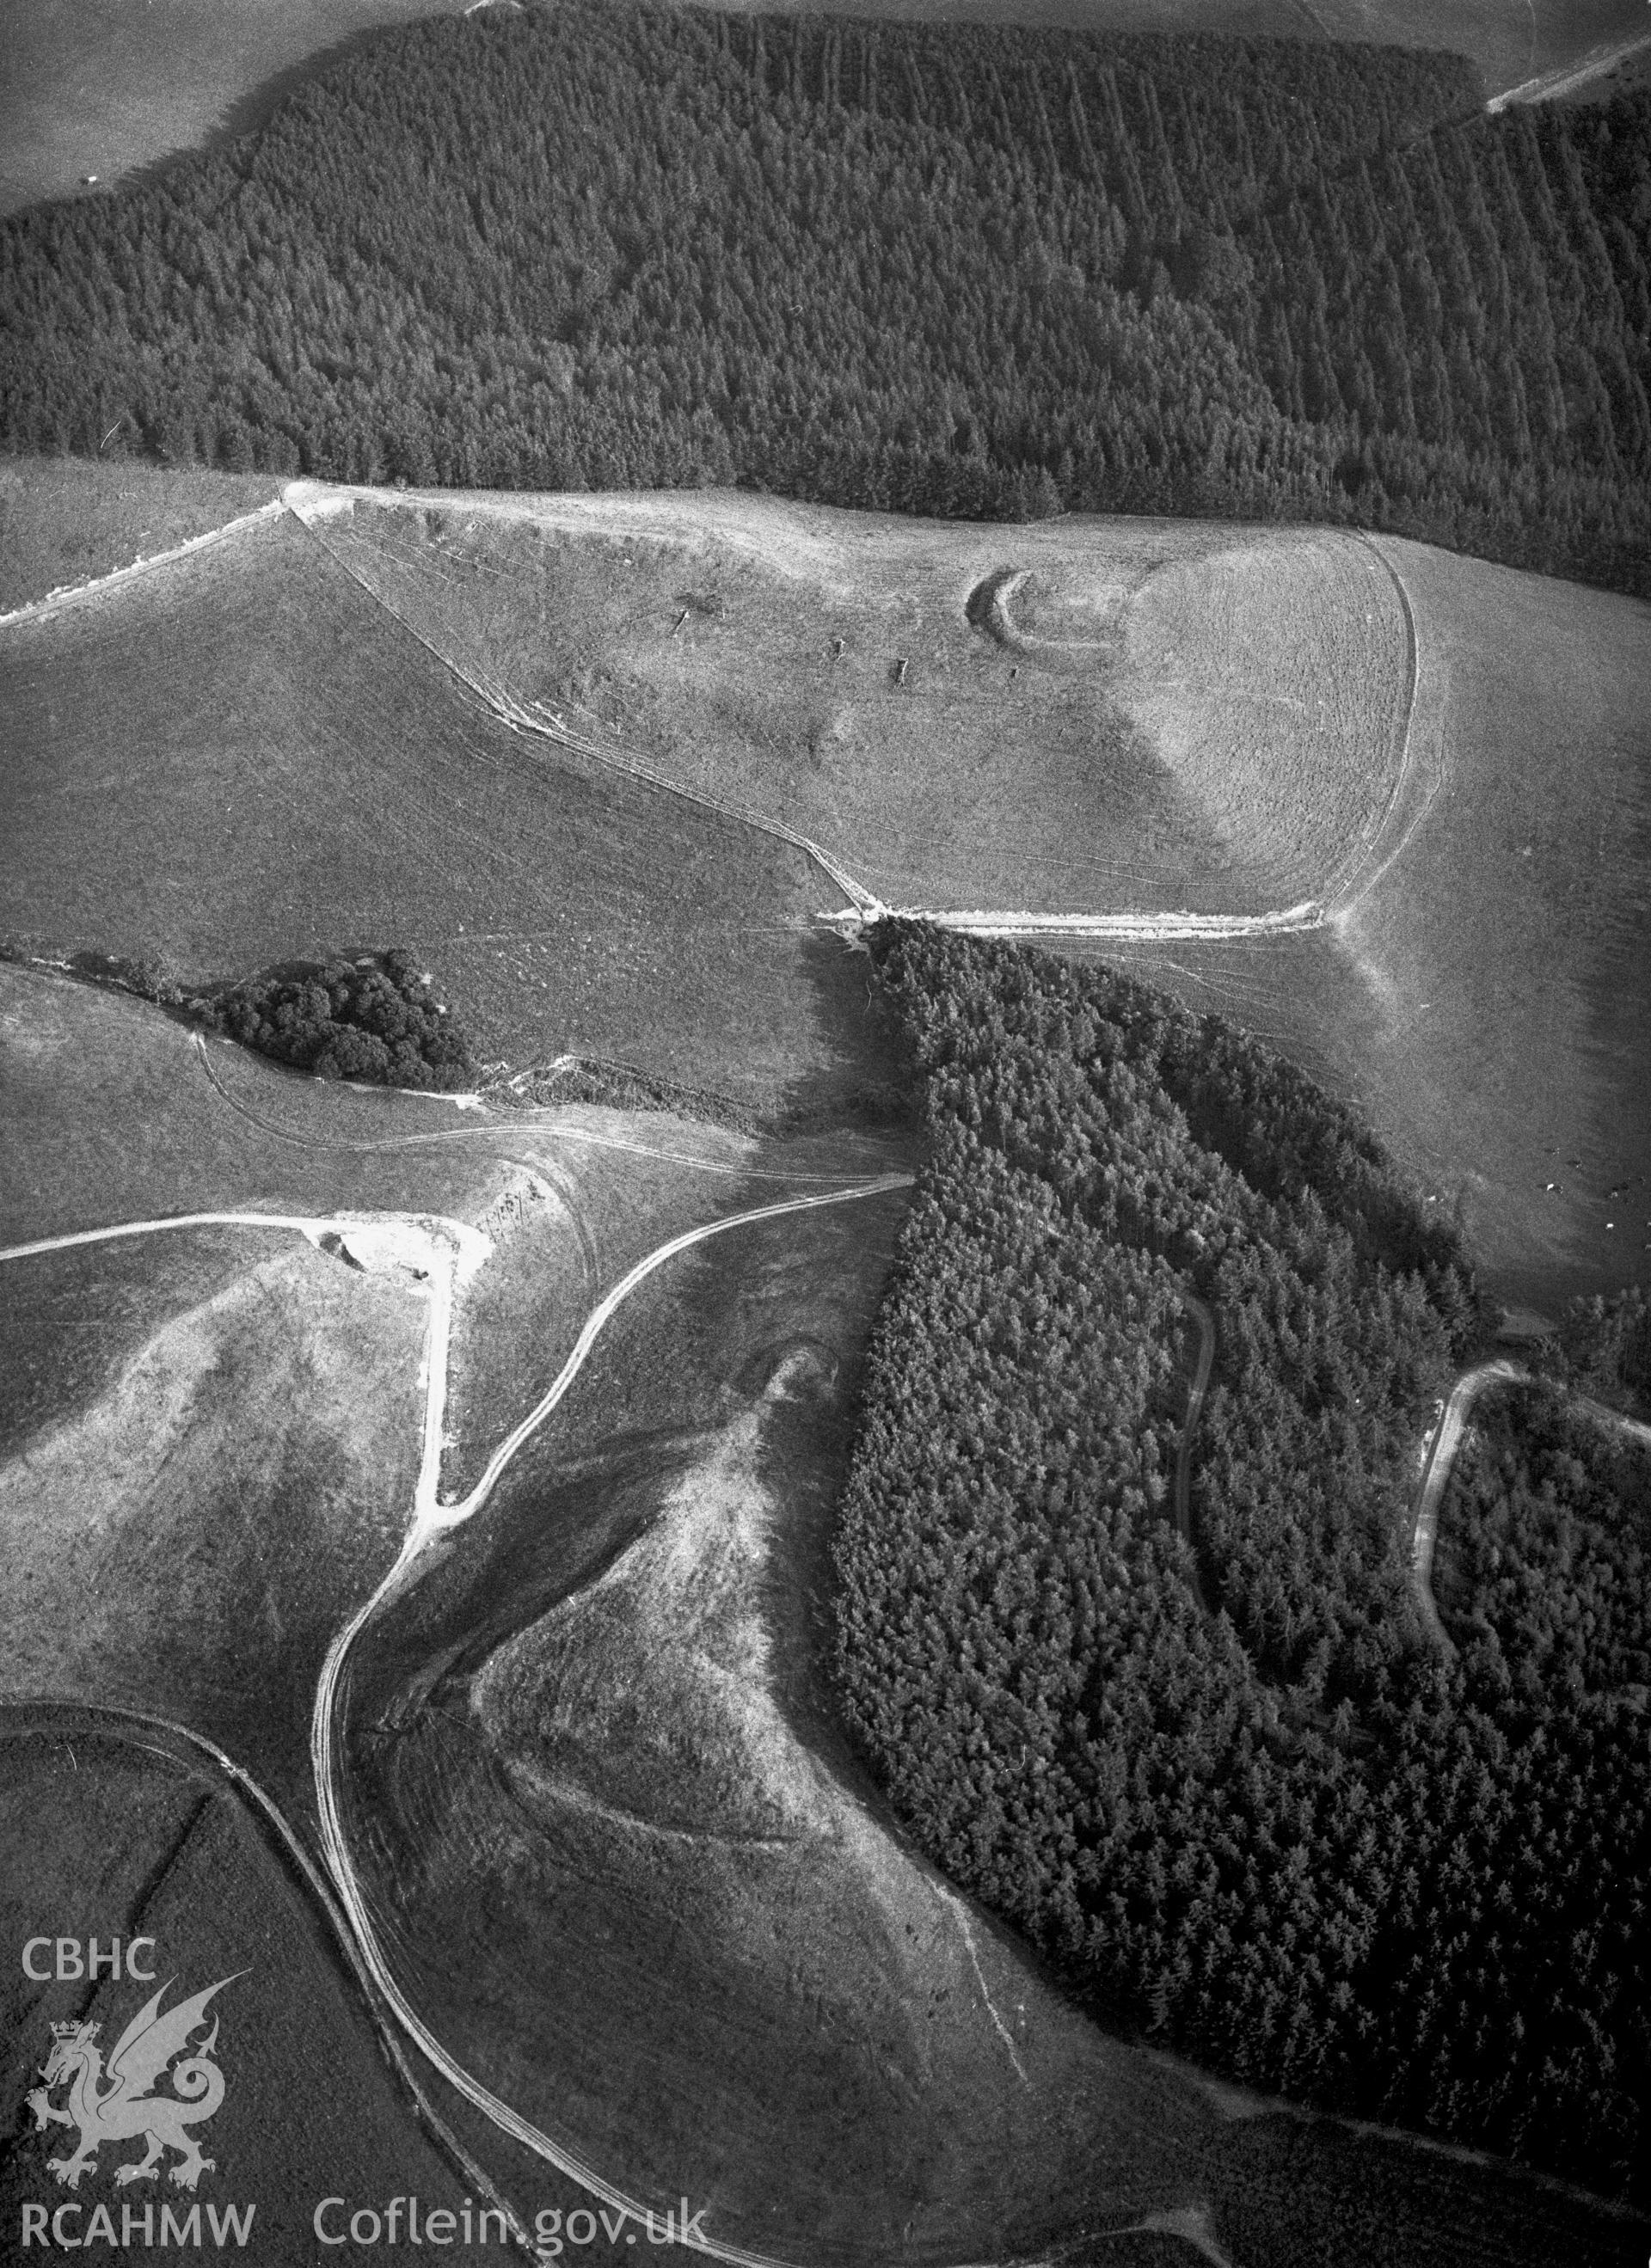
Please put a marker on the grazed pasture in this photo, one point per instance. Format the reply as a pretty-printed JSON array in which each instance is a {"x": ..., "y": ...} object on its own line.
[
  {"x": 242, "y": 759},
  {"x": 64, "y": 522},
  {"x": 1486, "y": 1003},
  {"x": 1087, "y": 716}
]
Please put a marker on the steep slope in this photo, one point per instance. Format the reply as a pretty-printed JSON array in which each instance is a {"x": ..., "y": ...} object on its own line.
[
  {"x": 1091, "y": 715},
  {"x": 1485, "y": 998},
  {"x": 240, "y": 759}
]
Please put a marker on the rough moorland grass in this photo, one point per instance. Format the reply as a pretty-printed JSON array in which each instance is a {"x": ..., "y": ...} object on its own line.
[
  {"x": 98, "y": 1838},
  {"x": 1488, "y": 1003},
  {"x": 211, "y": 1435},
  {"x": 113, "y": 1114},
  {"x": 65, "y": 522},
  {"x": 1087, "y": 716},
  {"x": 767, "y": 2004},
  {"x": 189, "y": 1542},
  {"x": 243, "y": 760}
]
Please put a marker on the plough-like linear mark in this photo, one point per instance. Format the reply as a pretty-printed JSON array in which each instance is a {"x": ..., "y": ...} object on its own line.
[{"x": 444, "y": 1252}]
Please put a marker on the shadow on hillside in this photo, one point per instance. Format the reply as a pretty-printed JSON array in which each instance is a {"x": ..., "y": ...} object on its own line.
[{"x": 869, "y": 1079}]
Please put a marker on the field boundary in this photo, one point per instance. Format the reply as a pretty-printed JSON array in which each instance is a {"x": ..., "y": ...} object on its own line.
[
  {"x": 264, "y": 1810},
  {"x": 73, "y": 594},
  {"x": 314, "y": 502},
  {"x": 323, "y": 1742},
  {"x": 506, "y": 1128},
  {"x": 546, "y": 724}
]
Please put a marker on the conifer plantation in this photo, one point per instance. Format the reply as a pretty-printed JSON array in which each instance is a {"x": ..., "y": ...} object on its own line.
[
  {"x": 1223, "y": 1779},
  {"x": 962, "y": 270}
]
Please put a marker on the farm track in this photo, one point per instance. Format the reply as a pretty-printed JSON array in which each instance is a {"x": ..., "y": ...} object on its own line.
[
  {"x": 431, "y": 1516},
  {"x": 1401, "y": 814},
  {"x": 495, "y": 1128},
  {"x": 1441, "y": 1453},
  {"x": 75, "y": 594},
  {"x": 1363, "y": 864},
  {"x": 332, "y": 1688},
  {"x": 310, "y": 502},
  {"x": 1548, "y": 85},
  {"x": 275, "y": 1832}
]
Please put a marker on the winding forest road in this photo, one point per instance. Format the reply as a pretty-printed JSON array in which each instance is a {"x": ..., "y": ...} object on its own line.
[
  {"x": 1431, "y": 1491},
  {"x": 1441, "y": 1451}
]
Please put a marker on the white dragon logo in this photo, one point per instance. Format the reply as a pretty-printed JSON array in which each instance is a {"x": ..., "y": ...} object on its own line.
[{"x": 125, "y": 2107}]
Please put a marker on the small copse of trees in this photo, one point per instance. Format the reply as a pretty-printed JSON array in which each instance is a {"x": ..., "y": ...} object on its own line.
[{"x": 378, "y": 1021}]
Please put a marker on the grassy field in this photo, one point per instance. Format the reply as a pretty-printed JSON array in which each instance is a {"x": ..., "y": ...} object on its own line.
[
  {"x": 187, "y": 1543},
  {"x": 249, "y": 719},
  {"x": 63, "y": 521},
  {"x": 769, "y": 2006},
  {"x": 1486, "y": 1001},
  {"x": 1100, "y": 715},
  {"x": 101, "y": 1837},
  {"x": 217, "y": 1421},
  {"x": 1085, "y": 716},
  {"x": 95, "y": 86},
  {"x": 115, "y": 1113}
]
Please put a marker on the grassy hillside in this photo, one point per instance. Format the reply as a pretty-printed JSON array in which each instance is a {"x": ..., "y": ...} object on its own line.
[
  {"x": 1100, "y": 715},
  {"x": 969, "y": 271},
  {"x": 1484, "y": 999},
  {"x": 94, "y": 86},
  {"x": 1204, "y": 718},
  {"x": 219, "y": 1422},
  {"x": 66, "y": 521},
  {"x": 333, "y": 789},
  {"x": 108, "y": 1830}
]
